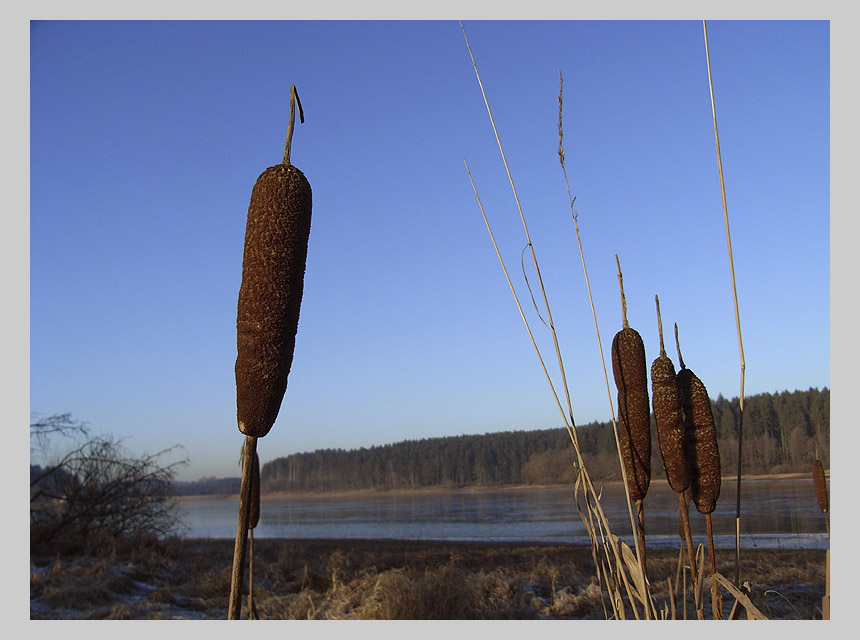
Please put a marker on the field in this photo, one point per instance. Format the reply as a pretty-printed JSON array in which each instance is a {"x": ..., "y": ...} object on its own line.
[{"x": 385, "y": 579}]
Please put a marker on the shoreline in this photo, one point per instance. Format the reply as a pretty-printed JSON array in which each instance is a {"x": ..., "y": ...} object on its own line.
[{"x": 438, "y": 490}]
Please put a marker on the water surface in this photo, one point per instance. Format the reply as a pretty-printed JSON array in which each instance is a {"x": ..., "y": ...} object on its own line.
[{"x": 775, "y": 514}]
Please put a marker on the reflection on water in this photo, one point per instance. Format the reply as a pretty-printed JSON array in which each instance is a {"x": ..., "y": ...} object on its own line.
[{"x": 775, "y": 513}]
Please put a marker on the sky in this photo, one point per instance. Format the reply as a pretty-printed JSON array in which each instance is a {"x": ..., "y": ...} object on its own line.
[{"x": 146, "y": 138}]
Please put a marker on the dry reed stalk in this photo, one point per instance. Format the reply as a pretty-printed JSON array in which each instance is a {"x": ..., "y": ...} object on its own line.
[
  {"x": 700, "y": 571},
  {"x": 610, "y": 573},
  {"x": 740, "y": 594},
  {"x": 593, "y": 517},
  {"x": 735, "y": 613},
  {"x": 737, "y": 312},
  {"x": 270, "y": 296},
  {"x": 530, "y": 246}
]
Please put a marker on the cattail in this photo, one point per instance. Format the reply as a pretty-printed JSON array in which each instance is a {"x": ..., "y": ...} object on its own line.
[
  {"x": 254, "y": 513},
  {"x": 273, "y": 270},
  {"x": 668, "y": 416},
  {"x": 273, "y": 273},
  {"x": 823, "y": 504},
  {"x": 253, "y": 521},
  {"x": 700, "y": 438},
  {"x": 630, "y": 371},
  {"x": 703, "y": 458},
  {"x": 820, "y": 486}
]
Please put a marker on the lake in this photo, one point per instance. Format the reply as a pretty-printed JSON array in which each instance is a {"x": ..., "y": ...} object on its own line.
[{"x": 775, "y": 514}]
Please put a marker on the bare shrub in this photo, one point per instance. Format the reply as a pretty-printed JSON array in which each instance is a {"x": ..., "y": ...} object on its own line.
[{"x": 86, "y": 491}]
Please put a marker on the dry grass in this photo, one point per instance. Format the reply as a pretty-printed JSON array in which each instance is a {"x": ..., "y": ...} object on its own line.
[{"x": 385, "y": 580}]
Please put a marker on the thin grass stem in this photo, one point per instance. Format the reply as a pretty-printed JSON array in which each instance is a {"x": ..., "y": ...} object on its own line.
[
  {"x": 582, "y": 475},
  {"x": 528, "y": 239},
  {"x": 737, "y": 312},
  {"x": 517, "y": 300},
  {"x": 571, "y": 200}
]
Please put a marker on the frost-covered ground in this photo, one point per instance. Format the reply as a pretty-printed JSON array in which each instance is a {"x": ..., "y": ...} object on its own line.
[{"x": 384, "y": 579}]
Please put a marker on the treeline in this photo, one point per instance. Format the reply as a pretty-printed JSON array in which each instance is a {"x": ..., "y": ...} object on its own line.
[
  {"x": 782, "y": 433},
  {"x": 207, "y": 486}
]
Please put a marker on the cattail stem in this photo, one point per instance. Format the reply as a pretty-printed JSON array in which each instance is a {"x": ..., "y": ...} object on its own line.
[
  {"x": 688, "y": 535},
  {"x": 252, "y": 610},
  {"x": 716, "y": 601},
  {"x": 234, "y": 611},
  {"x": 294, "y": 100},
  {"x": 691, "y": 554},
  {"x": 684, "y": 588},
  {"x": 712, "y": 562},
  {"x": 640, "y": 539},
  {"x": 640, "y": 545}
]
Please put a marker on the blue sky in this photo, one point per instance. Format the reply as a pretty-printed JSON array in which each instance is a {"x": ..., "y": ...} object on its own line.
[{"x": 146, "y": 138}]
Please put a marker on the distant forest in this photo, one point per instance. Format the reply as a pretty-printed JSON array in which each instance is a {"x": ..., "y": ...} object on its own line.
[
  {"x": 783, "y": 432},
  {"x": 207, "y": 486}
]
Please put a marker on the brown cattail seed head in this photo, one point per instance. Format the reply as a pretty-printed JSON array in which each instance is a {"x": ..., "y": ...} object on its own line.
[
  {"x": 273, "y": 271},
  {"x": 254, "y": 516},
  {"x": 670, "y": 422},
  {"x": 700, "y": 441},
  {"x": 634, "y": 416},
  {"x": 820, "y": 485}
]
